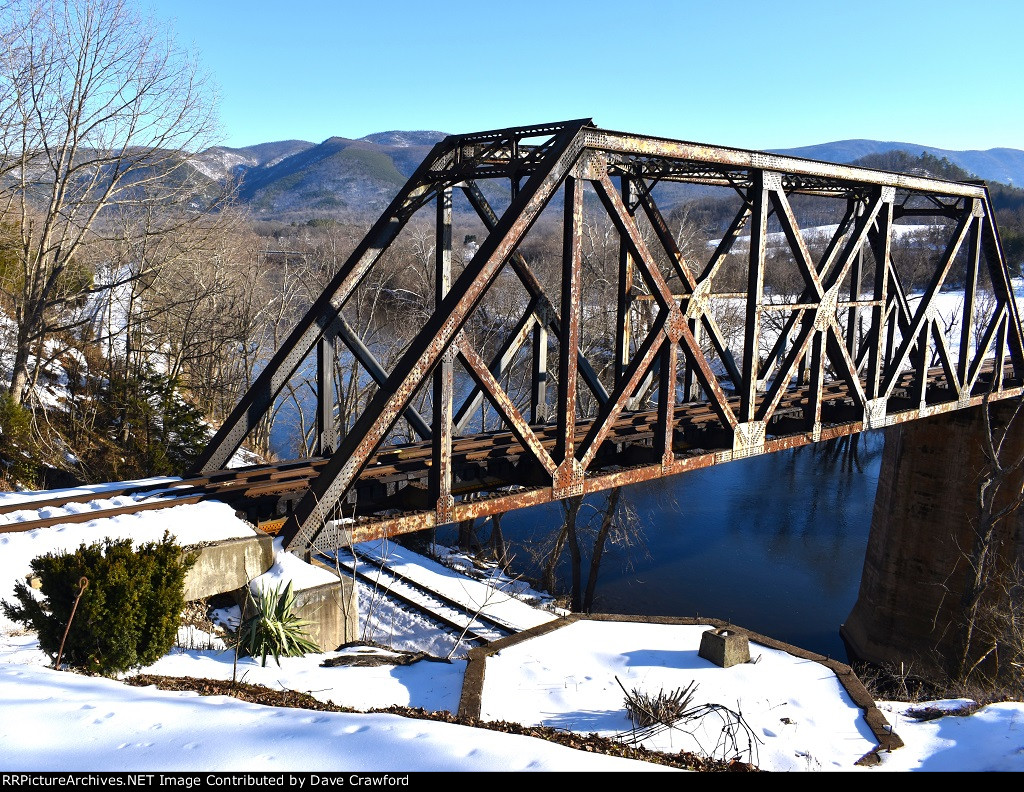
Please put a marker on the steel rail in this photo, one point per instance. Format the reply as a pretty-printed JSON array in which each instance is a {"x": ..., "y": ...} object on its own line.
[{"x": 487, "y": 629}]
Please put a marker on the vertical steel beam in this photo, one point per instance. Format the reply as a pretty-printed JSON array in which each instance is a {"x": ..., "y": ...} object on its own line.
[
  {"x": 568, "y": 478},
  {"x": 440, "y": 478},
  {"x": 921, "y": 365},
  {"x": 759, "y": 200},
  {"x": 853, "y": 314},
  {"x": 881, "y": 242},
  {"x": 665, "y": 431},
  {"x": 539, "y": 371},
  {"x": 326, "y": 431},
  {"x": 816, "y": 368},
  {"x": 624, "y": 301},
  {"x": 970, "y": 293},
  {"x": 1001, "y": 348}
]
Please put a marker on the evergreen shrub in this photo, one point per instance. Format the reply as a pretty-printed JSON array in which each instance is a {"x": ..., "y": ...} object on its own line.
[
  {"x": 128, "y": 614},
  {"x": 17, "y": 445}
]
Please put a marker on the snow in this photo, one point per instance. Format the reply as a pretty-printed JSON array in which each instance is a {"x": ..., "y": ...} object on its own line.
[
  {"x": 572, "y": 676},
  {"x": 823, "y": 233},
  {"x": 290, "y": 568}
]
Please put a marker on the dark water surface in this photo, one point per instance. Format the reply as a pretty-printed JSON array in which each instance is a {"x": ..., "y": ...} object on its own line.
[{"x": 774, "y": 543}]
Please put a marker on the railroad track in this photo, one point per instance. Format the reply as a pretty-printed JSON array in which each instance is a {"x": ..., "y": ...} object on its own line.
[
  {"x": 390, "y": 465},
  {"x": 459, "y": 618}
]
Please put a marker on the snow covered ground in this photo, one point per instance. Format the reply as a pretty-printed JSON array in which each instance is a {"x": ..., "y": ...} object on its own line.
[{"x": 573, "y": 678}]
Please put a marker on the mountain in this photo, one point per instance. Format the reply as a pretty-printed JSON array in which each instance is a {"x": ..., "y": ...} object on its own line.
[
  {"x": 220, "y": 162},
  {"x": 1003, "y": 165},
  {"x": 297, "y": 180}
]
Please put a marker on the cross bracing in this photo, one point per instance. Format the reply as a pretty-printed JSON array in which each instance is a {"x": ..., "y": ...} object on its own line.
[{"x": 805, "y": 316}]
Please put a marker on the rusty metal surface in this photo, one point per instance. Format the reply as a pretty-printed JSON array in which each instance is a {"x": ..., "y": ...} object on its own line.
[
  {"x": 413, "y": 462},
  {"x": 857, "y": 348}
]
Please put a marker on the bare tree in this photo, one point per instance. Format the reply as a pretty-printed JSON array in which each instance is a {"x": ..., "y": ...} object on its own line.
[
  {"x": 999, "y": 497},
  {"x": 617, "y": 521},
  {"x": 100, "y": 109}
]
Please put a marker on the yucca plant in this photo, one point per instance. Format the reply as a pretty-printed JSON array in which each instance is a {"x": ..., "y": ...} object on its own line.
[{"x": 273, "y": 629}]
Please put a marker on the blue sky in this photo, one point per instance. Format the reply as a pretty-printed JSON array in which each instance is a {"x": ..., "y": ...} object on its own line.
[{"x": 743, "y": 73}]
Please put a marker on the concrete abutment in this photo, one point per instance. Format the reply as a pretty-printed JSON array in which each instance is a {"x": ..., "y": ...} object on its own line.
[
  {"x": 908, "y": 610},
  {"x": 226, "y": 567}
]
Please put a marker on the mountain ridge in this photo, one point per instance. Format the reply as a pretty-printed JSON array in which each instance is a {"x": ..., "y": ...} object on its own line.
[
  {"x": 292, "y": 179},
  {"x": 1003, "y": 165}
]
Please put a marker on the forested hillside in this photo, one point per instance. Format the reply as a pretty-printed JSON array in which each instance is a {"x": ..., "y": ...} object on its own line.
[{"x": 1008, "y": 201}]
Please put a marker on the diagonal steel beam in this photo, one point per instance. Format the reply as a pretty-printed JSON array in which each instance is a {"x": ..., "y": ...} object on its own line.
[
  {"x": 534, "y": 288},
  {"x": 431, "y": 342},
  {"x": 993, "y": 329},
  {"x": 787, "y": 368},
  {"x": 843, "y": 362},
  {"x": 634, "y": 373},
  {"x": 946, "y": 361},
  {"x": 307, "y": 332},
  {"x": 368, "y": 361},
  {"x": 499, "y": 364},
  {"x": 503, "y": 404}
]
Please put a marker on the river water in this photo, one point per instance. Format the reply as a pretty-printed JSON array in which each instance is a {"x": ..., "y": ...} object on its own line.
[{"x": 773, "y": 543}]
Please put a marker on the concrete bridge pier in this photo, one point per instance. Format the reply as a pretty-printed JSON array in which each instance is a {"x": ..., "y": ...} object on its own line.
[{"x": 909, "y": 606}]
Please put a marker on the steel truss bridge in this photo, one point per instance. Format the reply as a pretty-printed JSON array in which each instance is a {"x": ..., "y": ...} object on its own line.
[{"x": 709, "y": 361}]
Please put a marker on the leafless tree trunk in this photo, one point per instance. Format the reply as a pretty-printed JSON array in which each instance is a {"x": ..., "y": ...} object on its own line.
[
  {"x": 607, "y": 520},
  {"x": 983, "y": 556},
  {"x": 99, "y": 109}
]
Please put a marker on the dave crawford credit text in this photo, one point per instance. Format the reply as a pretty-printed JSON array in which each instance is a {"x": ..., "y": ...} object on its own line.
[{"x": 189, "y": 781}]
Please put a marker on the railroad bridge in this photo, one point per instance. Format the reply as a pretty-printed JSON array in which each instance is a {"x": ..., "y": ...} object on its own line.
[
  {"x": 590, "y": 337},
  {"x": 706, "y": 359}
]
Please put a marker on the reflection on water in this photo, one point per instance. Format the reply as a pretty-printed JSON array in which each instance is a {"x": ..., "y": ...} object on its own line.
[{"x": 774, "y": 543}]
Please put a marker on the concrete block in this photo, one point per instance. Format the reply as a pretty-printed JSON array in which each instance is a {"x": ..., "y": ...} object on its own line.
[
  {"x": 228, "y": 565},
  {"x": 724, "y": 647},
  {"x": 331, "y": 610}
]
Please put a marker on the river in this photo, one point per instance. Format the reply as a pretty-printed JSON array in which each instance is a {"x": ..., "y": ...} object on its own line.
[{"x": 773, "y": 543}]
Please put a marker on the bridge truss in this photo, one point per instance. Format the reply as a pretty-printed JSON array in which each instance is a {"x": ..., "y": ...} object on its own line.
[{"x": 816, "y": 309}]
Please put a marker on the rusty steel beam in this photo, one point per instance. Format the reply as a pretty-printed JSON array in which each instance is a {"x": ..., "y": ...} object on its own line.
[
  {"x": 440, "y": 480},
  {"x": 568, "y": 477},
  {"x": 855, "y": 352},
  {"x": 380, "y": 414},
  {"x": 326, "y": 431}
]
